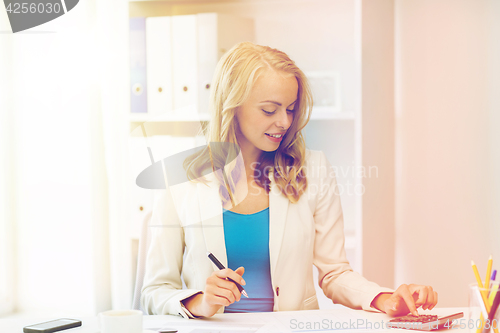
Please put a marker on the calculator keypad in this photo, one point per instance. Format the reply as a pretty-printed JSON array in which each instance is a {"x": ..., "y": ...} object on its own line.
[{"x": 415, "y": 319}]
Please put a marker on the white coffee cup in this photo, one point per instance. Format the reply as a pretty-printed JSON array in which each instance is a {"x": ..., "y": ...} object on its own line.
[{"x": 121, "y": 321}]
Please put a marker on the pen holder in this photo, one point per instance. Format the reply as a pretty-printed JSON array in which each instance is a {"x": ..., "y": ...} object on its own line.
[{"x": 481, "y": 318}]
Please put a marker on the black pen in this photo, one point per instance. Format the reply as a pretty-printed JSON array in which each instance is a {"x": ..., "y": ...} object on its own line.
[{"x": 221, "y": 267}]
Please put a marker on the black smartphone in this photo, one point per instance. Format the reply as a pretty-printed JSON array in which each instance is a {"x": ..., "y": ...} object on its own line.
[{"x": 52, "y": 326}]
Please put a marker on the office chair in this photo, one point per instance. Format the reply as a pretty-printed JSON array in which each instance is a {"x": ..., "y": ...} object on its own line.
[{"x": 144, "y": 241}]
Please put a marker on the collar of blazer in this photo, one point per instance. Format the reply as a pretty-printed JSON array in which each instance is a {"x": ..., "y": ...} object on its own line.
[{"x": 213, "y": 231}]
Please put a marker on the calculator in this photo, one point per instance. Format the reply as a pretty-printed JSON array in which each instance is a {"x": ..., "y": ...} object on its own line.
[{"x": 424, "y": 322}]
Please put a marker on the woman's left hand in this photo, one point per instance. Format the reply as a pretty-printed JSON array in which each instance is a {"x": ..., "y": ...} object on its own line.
[{"x": 407, "y": 299}]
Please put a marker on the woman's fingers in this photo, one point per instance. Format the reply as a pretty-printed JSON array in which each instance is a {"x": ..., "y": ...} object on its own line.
[
  {"x": 213, "y": 299},
  {"x": 229, "y": 273},
  {"x": 427, "y": 297},
  {"x": 430, "y": 298},
  {"x": 404, "y": 292},
  {"x": 220, "y": 295},
  {"x": 435, "y": 300},
  {"x": 410, "y": 298},
  {"x": 225, "y": 291},
  {"x": 422, "y": 295},
  {"x": 240, "y": 271},
  {"x": 230, "y": 287}
]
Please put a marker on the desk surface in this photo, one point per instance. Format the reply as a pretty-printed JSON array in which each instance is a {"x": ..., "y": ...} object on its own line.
[{"x": 285, "y": 321}]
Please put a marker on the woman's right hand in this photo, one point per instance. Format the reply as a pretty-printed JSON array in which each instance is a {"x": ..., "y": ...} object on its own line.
[{"x": 218, "y": 292}]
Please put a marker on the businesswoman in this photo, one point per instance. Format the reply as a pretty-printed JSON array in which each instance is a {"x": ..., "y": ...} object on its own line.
[{"x": 268, "y": 215}]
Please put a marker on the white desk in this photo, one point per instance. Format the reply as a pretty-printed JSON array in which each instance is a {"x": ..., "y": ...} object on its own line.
[{"x": 260, "y": 322}]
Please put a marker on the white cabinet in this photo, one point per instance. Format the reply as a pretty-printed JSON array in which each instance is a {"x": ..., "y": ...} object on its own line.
[
  {"x": 217, "y": 33},
  {"x": 182, "y": 52}
]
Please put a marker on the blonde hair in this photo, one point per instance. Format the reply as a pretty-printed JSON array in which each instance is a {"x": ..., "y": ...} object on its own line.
[{"x": 234, "y": 78}]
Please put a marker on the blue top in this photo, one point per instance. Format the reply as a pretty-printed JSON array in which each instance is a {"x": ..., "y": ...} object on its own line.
[{"x": 247, "y": 245}]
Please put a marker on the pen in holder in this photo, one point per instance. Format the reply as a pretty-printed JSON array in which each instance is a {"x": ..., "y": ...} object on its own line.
[{"x": 483, "y": 315}]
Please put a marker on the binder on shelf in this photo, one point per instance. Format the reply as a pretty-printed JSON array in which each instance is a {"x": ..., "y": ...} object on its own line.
[
  {"x": 173, "y": 59},
  {"x": 184, "y": 63},
  {"x": 159, "y": 65},
  {"x": 217, "y": 33},
  {"x": 207, "y": 57},
  {"x": 137, "y": 44}
]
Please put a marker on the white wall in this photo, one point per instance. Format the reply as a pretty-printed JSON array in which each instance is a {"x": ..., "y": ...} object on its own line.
[
  {"x": 7, "y": 184},
  {"x": 447, "y": 143},
  {"x": 377, "y": 108},
  {"x": 54, "y": 168},
  {"x": 494, "y": 124},
  {"x": 53, "y": 225}
]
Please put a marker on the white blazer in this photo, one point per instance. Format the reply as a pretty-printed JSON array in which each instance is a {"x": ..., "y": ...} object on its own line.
[{"x": 188, "y": 218}]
